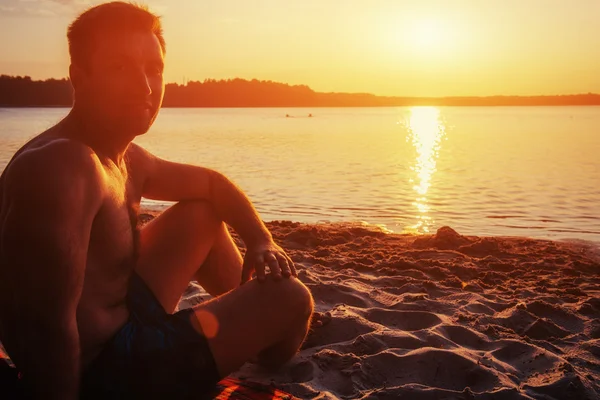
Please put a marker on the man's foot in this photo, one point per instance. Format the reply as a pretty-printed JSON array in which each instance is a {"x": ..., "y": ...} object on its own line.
[{"x": 320, "y": 319}]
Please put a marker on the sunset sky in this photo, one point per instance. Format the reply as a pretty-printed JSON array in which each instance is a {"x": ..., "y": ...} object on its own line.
[{"x": 385, "y": 47}]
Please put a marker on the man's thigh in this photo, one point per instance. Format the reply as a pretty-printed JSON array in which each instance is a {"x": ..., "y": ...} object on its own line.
[
  {"x": 173, "y": 246},
  {"x": 253, "y": 317}
]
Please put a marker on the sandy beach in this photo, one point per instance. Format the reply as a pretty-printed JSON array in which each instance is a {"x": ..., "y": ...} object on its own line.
[{"x": 440, "y": 317}]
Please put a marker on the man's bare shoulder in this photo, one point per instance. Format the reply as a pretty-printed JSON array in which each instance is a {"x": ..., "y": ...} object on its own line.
[
  {"x": 137, "y": 153},
  {"x": 51, "y": 164},
  {"x": 140, "y": 160}
]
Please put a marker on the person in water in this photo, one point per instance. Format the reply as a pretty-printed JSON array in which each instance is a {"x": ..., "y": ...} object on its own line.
[{"x": 88, "y": 297}]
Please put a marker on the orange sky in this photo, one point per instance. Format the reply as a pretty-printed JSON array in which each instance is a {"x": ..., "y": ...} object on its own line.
[{"x": 385, "y": 47}]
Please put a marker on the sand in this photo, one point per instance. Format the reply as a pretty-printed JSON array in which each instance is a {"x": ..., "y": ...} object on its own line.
[{"x": 440, "y": 317}]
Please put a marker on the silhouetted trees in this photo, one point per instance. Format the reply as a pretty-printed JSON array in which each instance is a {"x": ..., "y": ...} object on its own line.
[
  {"x": 24, "y": 92},
  {"x": 238, "y": 93}
]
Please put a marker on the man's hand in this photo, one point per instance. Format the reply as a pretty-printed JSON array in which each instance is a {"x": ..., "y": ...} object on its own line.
[{"x": 268, "y": 252}]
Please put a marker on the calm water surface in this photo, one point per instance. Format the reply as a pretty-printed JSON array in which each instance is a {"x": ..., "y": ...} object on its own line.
[{"x": 518, "y": 171}]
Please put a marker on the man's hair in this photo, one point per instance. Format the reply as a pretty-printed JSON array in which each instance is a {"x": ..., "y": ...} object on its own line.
[{"x": 114, "y": 16}]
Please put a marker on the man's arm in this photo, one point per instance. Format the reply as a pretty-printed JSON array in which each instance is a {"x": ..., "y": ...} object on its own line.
[
  {"x": 51, "y": 198},
  {"x": 170, "y": 181}
]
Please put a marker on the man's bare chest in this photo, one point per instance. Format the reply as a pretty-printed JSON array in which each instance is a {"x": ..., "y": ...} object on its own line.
[{"x": 114, "y": 238}]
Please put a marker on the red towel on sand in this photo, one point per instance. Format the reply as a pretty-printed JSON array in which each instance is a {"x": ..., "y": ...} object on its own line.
[{"x": 230, "y": 388}]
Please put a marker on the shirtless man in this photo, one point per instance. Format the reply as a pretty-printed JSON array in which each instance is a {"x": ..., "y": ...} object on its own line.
[{"x": 87, "y": 300}]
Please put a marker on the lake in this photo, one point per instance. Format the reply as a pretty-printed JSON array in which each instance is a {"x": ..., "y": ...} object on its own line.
[{"x": 516, "y": 171}]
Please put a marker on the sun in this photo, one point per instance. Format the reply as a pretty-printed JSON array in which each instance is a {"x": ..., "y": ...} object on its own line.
[
  {"x": 427, "y": 34},
  {"x": 429, "y": 37}
]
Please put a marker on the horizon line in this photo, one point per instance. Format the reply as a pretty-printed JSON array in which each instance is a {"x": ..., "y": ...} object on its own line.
[{"x": 352, "y": 93}]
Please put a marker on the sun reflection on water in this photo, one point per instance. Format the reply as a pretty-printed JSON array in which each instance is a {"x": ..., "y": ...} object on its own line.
[{"x": 426, "y": 132}]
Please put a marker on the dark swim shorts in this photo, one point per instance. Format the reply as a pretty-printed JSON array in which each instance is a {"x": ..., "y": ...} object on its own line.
[{"x": 155, "y": 355}]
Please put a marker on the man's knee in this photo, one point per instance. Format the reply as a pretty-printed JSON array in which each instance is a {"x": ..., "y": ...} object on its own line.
[
  {"x": 295, "y": 306},
  {"x": 292, "y": 295}
]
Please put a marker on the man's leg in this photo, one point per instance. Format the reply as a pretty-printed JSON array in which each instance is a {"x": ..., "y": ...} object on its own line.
[
  {"x": 188, "y": 241},
  {"x": 222, "y": 268}
]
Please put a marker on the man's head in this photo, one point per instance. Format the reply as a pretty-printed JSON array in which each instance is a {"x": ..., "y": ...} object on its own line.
[{"x": 117, "y": 53}]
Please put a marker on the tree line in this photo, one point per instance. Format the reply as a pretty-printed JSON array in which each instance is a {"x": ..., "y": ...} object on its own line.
[{"x": 22, "y": 91}]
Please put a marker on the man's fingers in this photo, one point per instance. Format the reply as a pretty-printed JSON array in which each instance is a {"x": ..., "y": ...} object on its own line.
[
  {"x": 283, "y": 265},
  {"x": 280, "y": 264},
  {"x": 260, "y": 267},
  {"x": 246, "y": 270},
  {"x": 271, "y": 259},
  {"x": 292, "y": 266}
]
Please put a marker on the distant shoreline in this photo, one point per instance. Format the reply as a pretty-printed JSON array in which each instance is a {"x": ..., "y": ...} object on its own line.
[{"x": 19, "y": 92}]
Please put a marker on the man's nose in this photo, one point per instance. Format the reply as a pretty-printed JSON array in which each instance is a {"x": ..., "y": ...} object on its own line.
[{"x": 141, "y": 84}]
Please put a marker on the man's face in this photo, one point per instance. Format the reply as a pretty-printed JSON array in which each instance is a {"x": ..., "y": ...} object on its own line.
[{"x": 123, "y": 85}]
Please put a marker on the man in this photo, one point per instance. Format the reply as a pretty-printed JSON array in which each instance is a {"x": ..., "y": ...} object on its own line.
[{"x": 87, "y": 299}]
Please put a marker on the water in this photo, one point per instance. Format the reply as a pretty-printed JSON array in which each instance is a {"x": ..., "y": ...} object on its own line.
[{"x": 516, "y": 171}]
